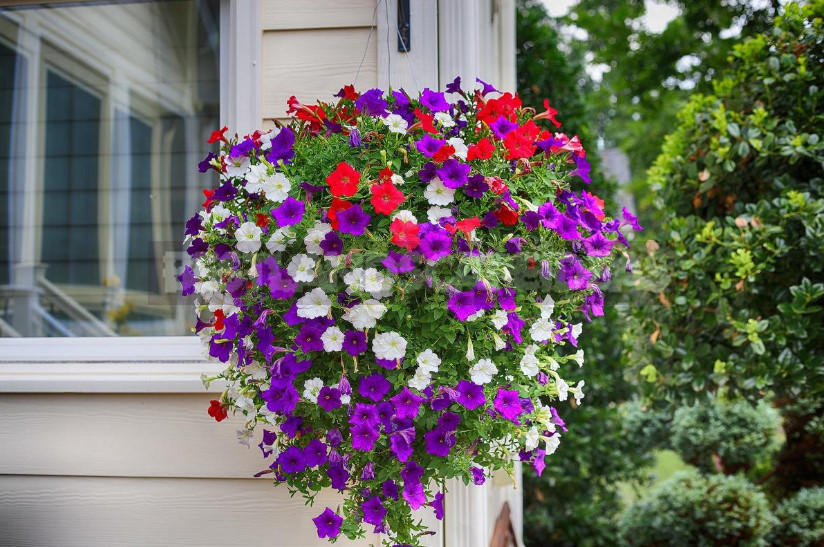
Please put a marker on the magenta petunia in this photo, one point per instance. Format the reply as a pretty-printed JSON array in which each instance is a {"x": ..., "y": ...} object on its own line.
[
  {"x": 407, "y": 404},
  {"x": 574, "y": 274},
  {"x": 329, "y": 398},
  {"x": 508, "y": 404},
  {"x": 598, "y": 245},
  {"x": 398, "y": 263},
  {"x": 453, "y": 173}
]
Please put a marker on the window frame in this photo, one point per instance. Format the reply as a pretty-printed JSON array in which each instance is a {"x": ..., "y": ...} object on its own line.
[{"x": 163, "y": 364}]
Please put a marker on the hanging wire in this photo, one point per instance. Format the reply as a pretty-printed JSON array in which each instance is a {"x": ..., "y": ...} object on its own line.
[{"x": 369, "y": 37}]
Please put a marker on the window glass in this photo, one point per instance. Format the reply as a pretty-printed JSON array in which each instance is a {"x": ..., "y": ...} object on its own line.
[{"x": 105, "y": 109}]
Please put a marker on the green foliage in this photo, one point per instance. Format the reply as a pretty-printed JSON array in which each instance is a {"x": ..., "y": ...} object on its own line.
[
  {"x": 733, "y": 296},
  {"x": 726, "y": 437},
  {"x": 801, "y": 519},
  {"x": 699, "y": 510}
]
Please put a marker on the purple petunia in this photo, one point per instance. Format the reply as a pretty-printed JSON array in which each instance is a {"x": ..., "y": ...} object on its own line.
[
  {"x": 197, "y": 248},
  {"x": 281, "y": 396},
  {"x": 373, "y": 511},
  {"x": 513, "y": 245},
  {"x": 328, "y": 524},
  {"x": 598, "y": 245},
  {"x": 476, "y": 186},
  {"x": 470, "y": 394},
  {"x": 292, "y": 460},
  {"x": 462, "y": 304},
  {"x": 400, "y": 442},
  {"x": 332, "y": 244},
  {"x": 502, "y": 127},
  {"x": 439, "y": 441},
  {"x": 434, "y": 100},
  {"x": 289, "y": 213},
  {"x": 398, "y": 263},
  {"x": 581, "y": 168},
  {"x": 353, "y": 220},
  {"x": 354, "y": 342},
  {"x": 508, "y": 404},
  {"x": 364, "y": 436},
  {"x": 407, "y": 404},
  {"x": 531, "y": 220},
  {"x": 453, "y": 173},
  {"x": 282, "y": 147},
  {"x": 428, "y": 145},
  {"x": 390, "y": 489},
  {"x": 478, "y": 476},
  {"x": 574, "y": 274},
  {"x": 374, "y": 387},
  {"x": 187, "y": 281},
  {"x": 364, "y": 414},
  {"x": 436, "y": 244},
  {"x": 338, "y": 475},
  {"x": 567, "y": 228},
  {"x": 315, "y": 453},
  {"x": 437, "y": 505},
  {"x": 372, "y": 102},
  {"x": 309, "y": 338},
  {"x": 329, "y": 398}
]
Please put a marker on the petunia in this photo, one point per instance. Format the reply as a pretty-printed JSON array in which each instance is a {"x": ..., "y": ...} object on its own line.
[
  {"x": 437, "y": 505},
  {"x": 313, "y": 304},
  {"x": 502, "y": 127},
  {"x": 389, "y": 345},
  {"x": 328, "y": 524},
  {"x": 344, "y": 180},
  {"x": 282, "y": 147},
  {"x": 508, "y": 404},
  {"x": 483, "y": 371},
  {"x": 374, "y": 387},
  {"x": 407, "y": 404},
  {"x": 439, "y": 441},
  {"x": 364, "y": 414},
  {"x": 389, "y": 488},
  {"x": 470, "y": 394},
  {"x": 373, "y": 511},
  {"x": 434, "y": 100},
  {"x": 436, "y": 244},
  {"x": 315, "y": 453},
  {"x": 400, "y": 442},
  {"x": 292, "y": 460},
  {"x": 453, "y": 173},
  {"x": 429, "y": 145},
  {"x": 354, "y": 342},
  {"x": 289, "y": 213},
  {"x": 329, "y": 398},
  {"x": 353, "y": 220},
  {"x": 187, "y": 281},
  {"x": 372, "y": 102},
  {"x": 478, "y": 476},
  {"x": 364, "y": 437},
  {"x": 582, "y": 168},
  {"x": 386, "y": 198},
  {"x": 476, "y": 186},
  {"x": 332, "y": 244},
  {"x": 338, "y": 475},
  {"x": 398, "y": 263},
  {"x": 574, "y": 274},
  {"x": 462, "y": 304}
]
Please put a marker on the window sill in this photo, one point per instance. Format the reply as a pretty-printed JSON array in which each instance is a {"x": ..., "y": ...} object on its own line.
[{"x": 104, "y": 365}]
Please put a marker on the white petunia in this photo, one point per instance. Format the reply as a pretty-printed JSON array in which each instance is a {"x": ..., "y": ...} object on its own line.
[
  {"x": 553, "y": 364},
  {"x": 577, "y": 329},
  {"x": 314, "y": 236},
  {"x": 248, "y": 237},
  {"x": 373, "y": 308},
  {"x": 372, "y": 280},
  {"x": 389, "y": 345},
  {"x": 332, "y": 339},
  {"x": 483, "y": 371},
  {"x": 397, "y": 180},
  {"x": 499, "y": 342},
  {"x": 563, "y": 389},
  {"x": 529, "y": 365},
  {"x": 314, "y": 304},
  {"x": 208, "y": 289},
  {"x": 438, "y": 194},
  {"x": 461, "y": 149},
  {"x": 301, "y": 268},
  {"x": 552, "y": 444},
  {"x": 255, "y": 370},
  {"x": 276, "y": 187},
  {"x": 531, "y": 439},
  {"x": 547, "y": 307},
  {"x": 345, "y": 399},
  {"x": 406, "y": 216},
  {"x": 579, "y": 392},
  {"x": 311, "y": 388},
  {"x": 475, "y": 316},
  {"x": 360, "y": 317},
  {"x": 280, "y": 240},
  {"x": 256, "y": 177},
  {"x": 236, "y": 166},
  {"x": 541, "y": 330},
  {"x": 386, "y": 288},
  {"x": 579, "y": 357},
  {"x": 219, "y": 213},
  {"x": 246, "y": 405},
  {"x": 354, "y": 280},
  {"x": 396, "y": 124},
  {"x": 429, "y": 360},
  {"x": 434, "y": 214},
  {"x": 531, "y": 349},
  {"x": 499, "y": 319},
  {"x": 444, "y": 119},
  {"x": 420, "y": 380},
  {"x": 245, "y": 437}
]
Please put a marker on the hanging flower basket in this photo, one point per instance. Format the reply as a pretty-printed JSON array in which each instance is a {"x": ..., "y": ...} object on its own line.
[{"x": 397, "y": 285}]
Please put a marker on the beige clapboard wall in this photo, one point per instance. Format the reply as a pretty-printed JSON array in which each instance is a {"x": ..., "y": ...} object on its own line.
[{"x": 134, "y": 469}]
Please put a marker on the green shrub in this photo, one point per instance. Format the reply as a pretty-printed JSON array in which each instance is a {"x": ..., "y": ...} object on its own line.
[
  {"x": 697, "y": 510},
  {"x": 726, "y": 437},
  {"x": 801, "y": 519}
]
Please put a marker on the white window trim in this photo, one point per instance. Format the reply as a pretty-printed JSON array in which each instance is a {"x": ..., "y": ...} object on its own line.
[{"x": 168, "y": 364}]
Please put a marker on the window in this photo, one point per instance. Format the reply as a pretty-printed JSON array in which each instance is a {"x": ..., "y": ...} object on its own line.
[{"x": 105, "y": 109}]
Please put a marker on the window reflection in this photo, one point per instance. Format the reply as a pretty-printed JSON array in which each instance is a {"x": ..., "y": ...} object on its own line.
[{"x": 104, "y": 113}]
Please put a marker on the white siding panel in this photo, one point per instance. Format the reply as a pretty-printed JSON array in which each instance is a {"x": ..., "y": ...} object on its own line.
[
  {"x": 314, "y": 64},
  {"x": 128, "y": 435},
  {"x": 114, "y": 512},
  {"x": 307, "y": 14}
]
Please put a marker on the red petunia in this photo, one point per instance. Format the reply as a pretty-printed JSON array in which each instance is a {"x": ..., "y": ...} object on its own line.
[
  {"x": 385, "y": 174},
  {"x": 217, "y": 410},
  {"x": 218, "y": 136},
  {"x": 506, "y": 215},
  {"x": 338, "y": 205},
  {"x": 405, "y": 234},
  {"x": 481, "y": 151},
  {"x": 262, "y": 220},
  {"x": 386, "y": 198},
  {"x": 426, "y": 120},
  {"x": 348, "y": 92},
  {"x": 496, "y": 184},
  {"x": 548, "y": 114},
  {"x": 344, "y": 180},
  {"x": 468, "y": 224},
  {"x": 219, "y": 318},
  {"x": 444, "y": 153},
  {"x": 505, "y": 105}
]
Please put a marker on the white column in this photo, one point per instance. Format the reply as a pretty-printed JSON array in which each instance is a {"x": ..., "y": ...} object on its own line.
[{"x": 241, "y": 76}]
